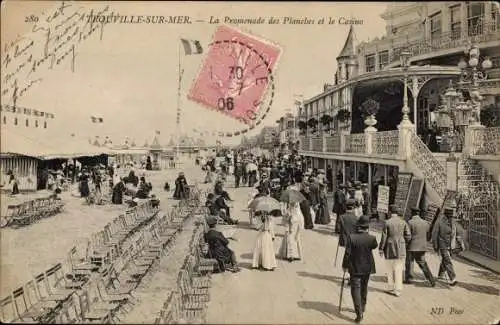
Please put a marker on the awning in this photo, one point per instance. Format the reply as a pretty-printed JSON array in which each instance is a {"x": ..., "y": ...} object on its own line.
[{"x": 13, "y": 142}]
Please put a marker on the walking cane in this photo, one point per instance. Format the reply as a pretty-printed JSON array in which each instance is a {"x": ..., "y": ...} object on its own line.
[
  {"x": 336, "y": 255},
  {"x": 341, "y": 292}
]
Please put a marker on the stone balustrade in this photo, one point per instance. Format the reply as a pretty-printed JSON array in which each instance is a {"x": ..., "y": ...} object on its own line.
[
  {"x": 480, "y": 140},
  {"x": 355, "y": 143}
]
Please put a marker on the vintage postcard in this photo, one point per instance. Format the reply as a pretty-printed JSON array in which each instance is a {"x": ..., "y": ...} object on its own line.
[{"x": 250, "y": 162}]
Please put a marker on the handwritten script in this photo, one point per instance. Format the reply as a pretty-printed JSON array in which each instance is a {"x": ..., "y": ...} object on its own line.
[{"x": 52, "y": 42}]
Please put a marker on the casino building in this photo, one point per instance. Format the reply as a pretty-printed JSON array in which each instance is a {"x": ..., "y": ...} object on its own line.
[{"x": 423, "y": 99}]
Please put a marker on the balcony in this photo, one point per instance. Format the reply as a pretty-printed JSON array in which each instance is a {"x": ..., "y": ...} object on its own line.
[{"x": 484, "y": 32}]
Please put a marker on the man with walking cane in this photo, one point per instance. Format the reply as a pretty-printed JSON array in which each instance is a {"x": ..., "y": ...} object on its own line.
[
  {"x": 347, "y": 226},
  {"x": 358, "y": 261}
]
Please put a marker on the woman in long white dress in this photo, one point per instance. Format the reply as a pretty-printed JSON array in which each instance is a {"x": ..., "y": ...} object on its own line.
[
  {"x": 291, "y": 246},
  {"x": 263, "y": 252}
]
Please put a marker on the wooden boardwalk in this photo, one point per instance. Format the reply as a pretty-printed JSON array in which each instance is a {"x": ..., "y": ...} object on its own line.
[{"x": 307, "y": 292}]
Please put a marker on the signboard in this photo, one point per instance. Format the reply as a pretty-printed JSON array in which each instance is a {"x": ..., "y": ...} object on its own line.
[
  {"x": 402, "y": 190},
  {"x": 414, "y": 196},
  {"x": 431, "y": 212},
  {"x": 383, "y": 199}
]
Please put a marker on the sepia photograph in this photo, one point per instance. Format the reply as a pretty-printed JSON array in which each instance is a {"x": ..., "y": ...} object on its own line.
[{"x": 243, "y": 162}]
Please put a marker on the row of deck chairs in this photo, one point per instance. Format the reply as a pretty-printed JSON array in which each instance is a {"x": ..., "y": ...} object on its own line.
[
  {"x": 29, "y": 212},
  {"x": 188, "y": 302},
  {"x": 58, "y": 295}
]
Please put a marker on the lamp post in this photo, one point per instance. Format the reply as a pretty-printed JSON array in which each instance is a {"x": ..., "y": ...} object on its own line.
[
  {"x": 470, "y": 77},
  {"x": 405, "y": 64}
]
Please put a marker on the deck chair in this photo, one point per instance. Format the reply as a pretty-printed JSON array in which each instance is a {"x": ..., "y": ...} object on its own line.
[
  {"x": 90, "y": 313},
  {"x": 197, "y": 280},
  {"x": 57, "y": 284},
  {"x": 79, "y": 267},
  {"x": 7, "y": 310},
  {"x": 202, "y": 293},
  {"x": 36, "y": 305},
  {"x": 189, "y": 300},
  {"x": 23, "y": 314}
]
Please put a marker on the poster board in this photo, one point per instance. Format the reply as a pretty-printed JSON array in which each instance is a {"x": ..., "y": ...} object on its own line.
[
  {"x": 414, "y": 196},
  {"x": 383, "y": 198},
  {"x": 402, "y": 190}
]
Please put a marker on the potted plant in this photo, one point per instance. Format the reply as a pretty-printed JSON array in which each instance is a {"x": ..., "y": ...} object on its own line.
[
  {"x": 326, "y": 120},
  {"x": 369, "y": 109},
  {"x": 344, "y": 115},
  {"x": 312, "y": 123}
]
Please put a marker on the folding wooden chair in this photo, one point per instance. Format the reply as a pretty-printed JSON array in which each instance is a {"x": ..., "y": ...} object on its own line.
[
  {"x": 204, "y": 265},
  {"x": 92, "y": 314},
  {"x": 35, "y": 304},
  {"x": 201, "y": 294},
  {"x": 7, "y": 310},
  {"x": 114, "y": 286},
  {"x": 109, "y": 297},
  {"x": 23, "y": 314},
  {"x": 79, "y": 267},
  {"x": 188, "y": 299},
  {"x": 58, "y": 285},
  {"x": 134, "y": 272},
  {"x": 197, "y": 280}
]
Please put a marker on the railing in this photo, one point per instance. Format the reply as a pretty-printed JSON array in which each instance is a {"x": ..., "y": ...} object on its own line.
[
  {"x": 333, "y": 143},
  {"x": 385, "y": 143},
  {"x": 484, "y": 31},
  {"x": 305, "y": 143},
  {"x": 485, "y": 141},
  {"x": 422, "y": 157},
  {"x": 317, "y": 144},
  {"x": 355, "y": 143}
]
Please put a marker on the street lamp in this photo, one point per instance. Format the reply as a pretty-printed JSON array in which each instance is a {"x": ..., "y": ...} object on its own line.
[
  {"x": 405, "y": 64},
  {"x": 473, "y": 71}
]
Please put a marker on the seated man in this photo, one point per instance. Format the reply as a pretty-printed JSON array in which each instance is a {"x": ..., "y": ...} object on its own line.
[
  {"x": 217, "y": 248},
  {"x": 224, "y": 209},
  {"x": 216, "y": 208}
]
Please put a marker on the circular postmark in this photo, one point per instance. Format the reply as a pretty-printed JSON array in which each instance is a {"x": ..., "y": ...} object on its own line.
[{"x": 251, "y": 69}]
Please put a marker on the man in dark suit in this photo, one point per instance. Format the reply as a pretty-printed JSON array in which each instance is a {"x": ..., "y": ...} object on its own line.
[
  {"x": 419, "y": 229},
  {"x": 339, "y": 205},
  {"x": 446, "y": 240},
  {"x": 358, "y": 260},
  {"x": 348, "y": 222}
]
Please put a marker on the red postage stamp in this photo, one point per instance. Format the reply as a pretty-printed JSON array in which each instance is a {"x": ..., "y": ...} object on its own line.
[{"x": 235, "y": 74}]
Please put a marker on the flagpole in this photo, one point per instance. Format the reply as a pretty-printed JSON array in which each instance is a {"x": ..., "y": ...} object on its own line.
[{"x": 178, "y": 97}]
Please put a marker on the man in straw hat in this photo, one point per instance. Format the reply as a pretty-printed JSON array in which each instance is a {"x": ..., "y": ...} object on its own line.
[{"x": 358, "y": 261}]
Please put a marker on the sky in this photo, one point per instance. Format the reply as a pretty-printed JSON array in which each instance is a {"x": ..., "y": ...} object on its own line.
[{"x": 127, "y": 73}]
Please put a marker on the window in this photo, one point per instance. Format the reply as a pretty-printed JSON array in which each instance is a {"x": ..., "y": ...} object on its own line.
[
  {"x": 15, "y": 120},
  {"x": 455, "y": 22},
  {"x": 36, "y": 123},
  {"x": 383, "y": 59},
  {"x": 435, "y": 26},
  {"x": 27, "y": 122},
  {"x": 475, "y": 16},
  {"x": 396, "y": 53},
  {"x": 44, "y": 124},
  {"x": 495, "y": 16},
  {"x": 370, "y": 62}
]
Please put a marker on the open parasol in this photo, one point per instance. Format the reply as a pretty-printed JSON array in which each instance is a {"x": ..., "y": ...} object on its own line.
[
  {"x": 265, "y": 204},
  {"x": 291, "y": 196}
]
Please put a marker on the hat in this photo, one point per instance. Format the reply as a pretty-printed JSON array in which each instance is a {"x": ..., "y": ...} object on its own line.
[
  {"x": 363, "y": 222},
  {"x": 415, "y": 210},
  {"x": 350, "y": 203},
  {"x": 393, "y": 208},
  {"x": 357, "y": 185},
  {"x": 211, "y": 221},
  {"x": 321, "y": 171},
  {"x": 364, "y": 184}
]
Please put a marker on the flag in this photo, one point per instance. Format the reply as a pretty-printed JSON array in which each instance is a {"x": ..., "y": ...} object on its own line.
[
  {"x": 157, "y": 132},
  {"x": 191, "y": 46}
]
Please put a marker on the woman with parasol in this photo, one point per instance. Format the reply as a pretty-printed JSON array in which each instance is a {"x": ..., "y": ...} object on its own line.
[{"x": 263, "y": 253}]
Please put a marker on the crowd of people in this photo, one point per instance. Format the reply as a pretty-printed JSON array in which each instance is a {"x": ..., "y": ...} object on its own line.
[{"x": 402, "y": 243}]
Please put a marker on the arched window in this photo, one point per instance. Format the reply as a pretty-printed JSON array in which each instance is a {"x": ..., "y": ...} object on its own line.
[
  {"x": 44, "y": 124},
  {"x": 15, "y": 120},
  {"x": 27, "y": 122}
]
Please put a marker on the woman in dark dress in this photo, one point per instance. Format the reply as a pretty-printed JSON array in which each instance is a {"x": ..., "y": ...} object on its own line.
[
  {"x": 181, "y": 187},
  {"x": 132, "y": 179},
  {"x": 218, "y": 248},
  {"x": 323, "y": 215},
  {"x": 305, "y": 208},
  {"x": 118, "y": 191},
  {"x": 149, "y": 165},
  {"x": 84, "y": 185}
]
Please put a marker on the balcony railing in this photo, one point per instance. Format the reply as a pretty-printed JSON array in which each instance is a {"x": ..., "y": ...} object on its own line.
[
  {"x": 385, "y": 143},
  {"x": 483, "y": 31},
  {"x": 485, "y": 141},
  {"x": 333, "y": 143},
  {"x": 317, "y": 144},
  {"x": 355, "y": 143}
]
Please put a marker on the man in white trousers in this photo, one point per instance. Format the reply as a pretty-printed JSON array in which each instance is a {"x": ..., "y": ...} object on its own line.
[{"x": 395, "y": 236}]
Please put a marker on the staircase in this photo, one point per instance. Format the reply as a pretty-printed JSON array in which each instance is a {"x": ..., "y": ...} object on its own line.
[
  {"x": 478, "y": 196},
  {"x": 479, "y": 207}
]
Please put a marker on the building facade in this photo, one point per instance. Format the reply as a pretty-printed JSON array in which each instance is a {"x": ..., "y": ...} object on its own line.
[
  {"x": 371, "y": 121},
  {"x": 288, "y": 133}
]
